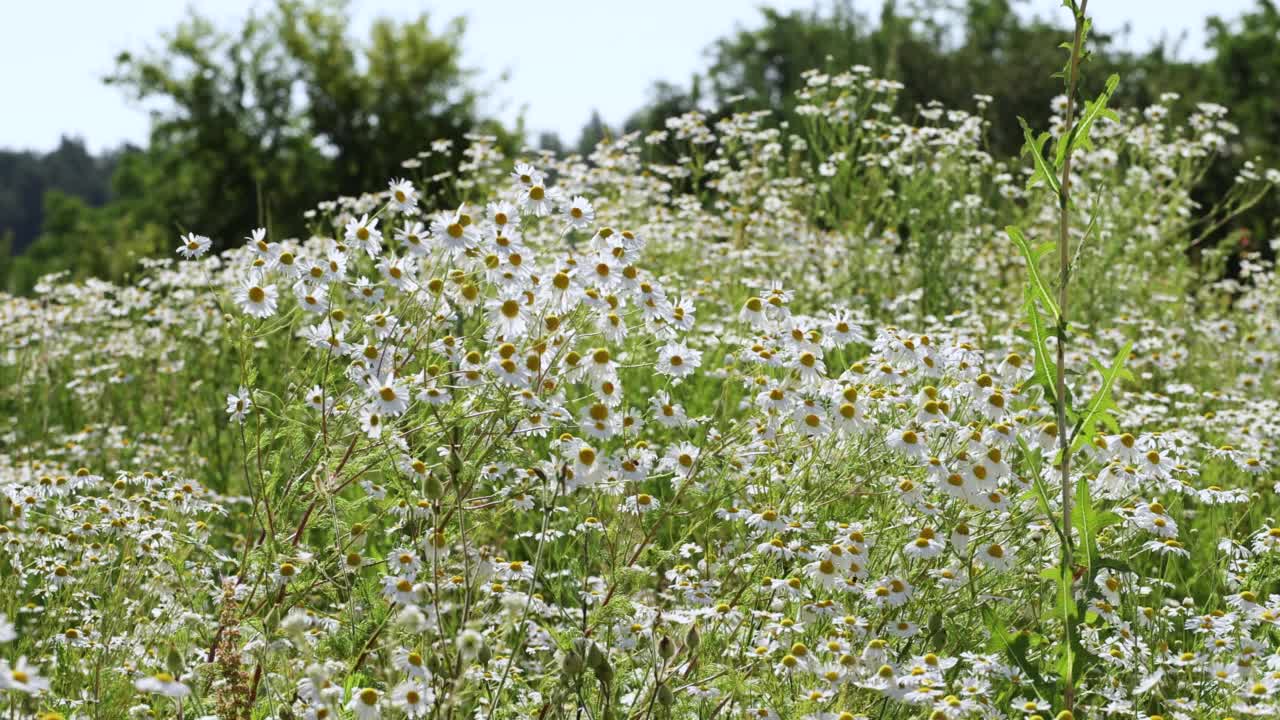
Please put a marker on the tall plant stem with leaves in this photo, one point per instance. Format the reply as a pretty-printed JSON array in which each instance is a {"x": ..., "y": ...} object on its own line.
[
  {"x": 1075, "y": 424},
  {"x": 1064, "y": 281}
]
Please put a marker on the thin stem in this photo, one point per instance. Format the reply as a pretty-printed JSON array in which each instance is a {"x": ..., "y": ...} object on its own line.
[{"x": 1064, "y": 279}]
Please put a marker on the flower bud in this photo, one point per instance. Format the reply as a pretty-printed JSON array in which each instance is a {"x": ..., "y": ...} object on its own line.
[
  {"x": 595, "y": 656},
  {"x": 434, "y": 490},
  {"x": 692, "y": 639},
  {"x": 173, "y": 661},
  {"x": 571, "y": 664},
  {"x": 666, "y": 648},
  {"x": 604, "y": 673}
]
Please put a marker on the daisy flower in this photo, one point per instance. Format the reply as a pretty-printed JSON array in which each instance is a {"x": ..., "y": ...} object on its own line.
[
  {"x": 753, "y": 312},
  {"x": 364, "y": 234},
  {"x": 256, "y": 297},
  {"x": 400, "y": 590},
  {"x": 22, "y": 677},
  {"x": 526, "y": 175},
  {"x": 403, "y": 195},
  {"x": 239, "y": 404},
  {"x": 399, "y": 272},
  {"x": 389, "y": 395},
  {"x": 909, "y": 442},
  {"x": 668, "y": 413},
  {"x": 579, "y": 213},
  {"x": 411, "y": 663},
  {"x": 537, "y": 200},
  {"x": 413, "y": 235},
  {"x": 311, "y": 297},
  {"x": 681, "y": 459},
  {"x": 194, "y": 246},
  {"x": 371, "y": 421},
  {"x": 639, "y": 504},
  {"x": 508, "y": 318},
  {"x": 824, "y": 573},
  {"x": 678, "y": 360},
  {"x": 316, "y": 398},
  {"x": 366, "y": 704},
  {"x": 454, "y": 230},
  {"x": 994, "y": 556},
  {"x": 926, "y": 545},
  {"x": 503, "y": 215},
  {"x": 1166, "y": 547},
  {"x": 412, "y": 699},
  {"x": 162, "y": 684},
  {"x": 284, "y": 573}
]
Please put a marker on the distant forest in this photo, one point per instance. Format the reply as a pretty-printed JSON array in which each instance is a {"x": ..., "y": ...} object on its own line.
[{"x": 26, "y": 176}]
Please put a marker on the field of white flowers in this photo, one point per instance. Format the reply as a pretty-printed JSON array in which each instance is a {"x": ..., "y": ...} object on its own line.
[{"x": 772, "y": 429}]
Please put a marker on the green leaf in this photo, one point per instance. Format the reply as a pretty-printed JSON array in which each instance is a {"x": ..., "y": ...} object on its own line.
[
  {"x": 1084, "y": 25},
  {"x": 1100, "y": 403},
  {"x": 1034, "y": 146},
  {"x": 1114, "y": 563},
  {"x": 1089, "y": 521},
  {"x": 1042, "y": 498},
  {"x": 1033, "y": 268},
  {"x": 1015, "y": 645},
  {"x": 1045, "y": 370},
  {"x": 1079, "y": 135}
]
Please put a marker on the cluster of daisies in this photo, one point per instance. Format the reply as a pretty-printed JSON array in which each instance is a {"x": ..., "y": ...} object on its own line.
[{"x": 607, "y": 437}]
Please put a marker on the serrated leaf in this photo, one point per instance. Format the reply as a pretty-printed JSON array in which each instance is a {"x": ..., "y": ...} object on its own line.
[
  {"x": 1034, "y": 146},
  {"x": 1079, "y": 135},
  {"x": 1033, "y": 268},
  {"x": 1101, "y": 402},
  {"x": 1042, "y": 498},
  {"x": 1014, "y": 644},
  {"x": 1090, "y": 522},
  {"x": 1044, "y": 369}
]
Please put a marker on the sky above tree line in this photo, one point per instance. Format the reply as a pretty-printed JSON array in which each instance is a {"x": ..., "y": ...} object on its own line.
[{"x": 561, "y": 59}]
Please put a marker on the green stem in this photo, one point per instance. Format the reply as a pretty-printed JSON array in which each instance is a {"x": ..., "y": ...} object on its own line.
[{"x": 1064, "y": 278}]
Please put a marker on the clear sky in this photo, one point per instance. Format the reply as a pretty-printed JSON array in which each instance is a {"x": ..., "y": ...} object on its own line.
[{"x": 564, "y": 57}]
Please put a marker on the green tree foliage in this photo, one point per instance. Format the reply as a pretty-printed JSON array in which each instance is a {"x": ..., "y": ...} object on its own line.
[
  {"x": 945, "y": 52},
  {"x": 87, "y": 241},
  {"x": 951, "y": 50},
  {"x": 1246, "y": 73},
  {"x": 262, "y": 123},
  {"x": 252, "y": 126},
  {"x": 26, "y": 176},
  {"x": 594, "y": 131}
]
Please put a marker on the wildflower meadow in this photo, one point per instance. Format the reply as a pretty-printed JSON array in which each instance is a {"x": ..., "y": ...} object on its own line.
[{"x": 837, "y": 419}]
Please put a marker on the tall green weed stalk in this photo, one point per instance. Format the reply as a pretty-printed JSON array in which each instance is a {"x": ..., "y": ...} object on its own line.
[{"x": 1048, "y": 316}]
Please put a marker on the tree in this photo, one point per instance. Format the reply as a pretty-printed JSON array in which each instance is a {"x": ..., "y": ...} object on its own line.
[
  {"x": 86, "y": 241},
  {"x": 942, "y": 50},
  {"x": 26, "y": 176},
  {"x": 592, "y": 133},
  {"x": 264, "y": 122}
]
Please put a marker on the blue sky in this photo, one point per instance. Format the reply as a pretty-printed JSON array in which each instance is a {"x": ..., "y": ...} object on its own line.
[{"x": 563, "y": 57}]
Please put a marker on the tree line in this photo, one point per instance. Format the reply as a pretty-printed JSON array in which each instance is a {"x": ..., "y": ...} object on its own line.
[{"x": 259, "y": 123}]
